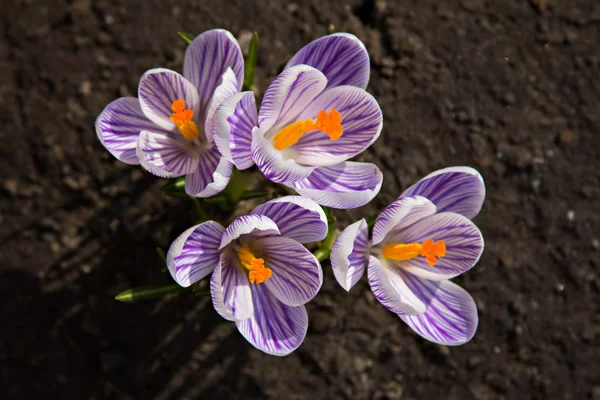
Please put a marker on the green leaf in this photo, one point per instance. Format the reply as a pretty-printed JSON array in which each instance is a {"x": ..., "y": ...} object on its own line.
[
  {"x": 148, "y": 292},
  {"x": 187, "y": 38},
  {"x": 161, "y": 253},
  {"x": 175, "y": 186},
  {"x": 237, "y": 186},
  {"x": 250, "y": 63}
]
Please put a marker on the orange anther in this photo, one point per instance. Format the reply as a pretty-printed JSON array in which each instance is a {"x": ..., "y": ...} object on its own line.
[
  {"x": 182, "y": 117},
  {"x": 432, "y": 251},
  {"x": 331, "y": 124}
]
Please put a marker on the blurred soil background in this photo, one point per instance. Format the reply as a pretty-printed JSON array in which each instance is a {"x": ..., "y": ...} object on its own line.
[{"x": 510, "y": 87}]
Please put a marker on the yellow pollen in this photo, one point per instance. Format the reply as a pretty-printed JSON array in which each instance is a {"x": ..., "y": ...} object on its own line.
[
  {"x": 331, "y": 124},
  {"x": 258, "y": 273},
  {"x": 432, "y": 251},
  {"x": 182, "y": 117}
]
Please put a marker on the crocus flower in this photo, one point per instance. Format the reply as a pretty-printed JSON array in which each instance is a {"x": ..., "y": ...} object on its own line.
[
  {"x": 262, "y": 275},
  {"x": 168, "y": 129},
  {"x": 314, "y": 116},
  {"x": 419, "y": 242}
]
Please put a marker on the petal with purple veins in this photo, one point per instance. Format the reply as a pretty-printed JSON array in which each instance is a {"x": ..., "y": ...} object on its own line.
[
  {"x": 346, "y": 185},
  {"x": 252, "y": 224},
  {"x": 233, "y": 123},
  {"x": 390, "y": 289},
  {"x": 451, "y": 316},
  {"x": 118, "y": 128},
  {"x": 455, "y": 189},
  {"x": 288, "y": 95},
  {"x": 159, "y": 88},
  {"x": 274, "y": 328},
  {"x": 168, "y": 151},
  {"x": 463, "y": 240},
  {"x": 400, "y": 214},
  {"x": 349, "y": 254},
  {"x": 361, "y": 121},
  {"x": 211, "y": 176},
  {"x": 195, "y": 253},
  {"x": 342, "y": 57},
  {"x": 273, "y": 164},
  {"x": 296, "y": 274},
  {"x": 297, "y": 217},
  {"x": 207, "y": 58},
  {"x": 223, "y": 92},
  {"x": 230, "y": 288}
]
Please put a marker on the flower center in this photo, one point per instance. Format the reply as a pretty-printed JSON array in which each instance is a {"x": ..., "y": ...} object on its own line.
[
  {"x": 330, "y": 123},
  {"x": 182, "y": 117},
  {"x": 258, "y": 273},
  {"x": 432, "y": 251}
]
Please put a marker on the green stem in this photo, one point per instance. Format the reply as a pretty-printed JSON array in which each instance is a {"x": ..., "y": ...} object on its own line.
[
  {"x": 322, "y": 254},
  {"x": 202, "y": 215},
  {"x": 148, "y": 292}
]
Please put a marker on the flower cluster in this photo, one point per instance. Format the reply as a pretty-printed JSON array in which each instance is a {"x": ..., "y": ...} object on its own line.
[{"x": 314, "y": 117}]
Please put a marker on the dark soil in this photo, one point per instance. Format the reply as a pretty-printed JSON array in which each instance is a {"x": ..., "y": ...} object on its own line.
[{"x": 509, "y": 87}]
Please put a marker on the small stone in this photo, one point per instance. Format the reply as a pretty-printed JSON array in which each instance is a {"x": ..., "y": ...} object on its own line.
[
  {"x": 560, "y": 287},
  {"x": 571, "y": 215},
  {"x": 85, "y": 88},
  {"x": 509, "y": 99},
  {"x": 566, "y": 137},
  {"x": 292, "y": 8},
  {"x": 11, "y": 186},
  {"x": 497, "y": 350},
  {"x": 539, "y": 5},
  {"x": 474, "y": 362}
]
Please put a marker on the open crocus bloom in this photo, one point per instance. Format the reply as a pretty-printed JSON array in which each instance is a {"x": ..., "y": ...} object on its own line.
[
  {"x": 168, "y": 129},
  {"x": 314, "y": 116},
  {"x": 419, "y": 242},
  {"x": 262, "y": 275}
]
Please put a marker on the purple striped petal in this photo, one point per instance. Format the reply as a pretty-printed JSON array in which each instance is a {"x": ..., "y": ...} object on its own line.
[
  {"x": 456, "y": 189},
  {"x": 361, "y": 120},
  {"x": 342, "y": 57},
  {"x": 288, "y": 95},
  {"x": 464, "y": 245},
  {"x": 118, "y": 128},
  {"x": 230, "y": 288},
  {"x": 206, "y": 60},
  {"x": 212, "y": 175},
  {"x": 272, "y": 162},
  {"x": 150, "y": 167},
  {"x": 296, "y": 274},
  {"x": 216, "y": 293},
  {"x": 232, "y": 127},
  {"x": 274, "y": 328},
  {"x": 227, "y": 88},
  {"x": 195, "y": 253},
  {"x": 345, "y": 185},
  {"x": 159, "y": 88},
  {"x": 400, "y": 214},
  {"x": 349, "y": 254},
  {"x": 297, "y": 217},
  {"x": 390, "y": 289},
  {"x": 253, "y": 224},
  {"x": 169, "y": 151},
  {"x": 451, "y": 316}
]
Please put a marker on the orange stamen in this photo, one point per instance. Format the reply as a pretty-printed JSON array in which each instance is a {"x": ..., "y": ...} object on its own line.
[
  {"x": 331, "y": 124},
  {"x": 182, "y": 117},
  {"x": 432, "y": 251},
  {"x": 258, "y": 273}
]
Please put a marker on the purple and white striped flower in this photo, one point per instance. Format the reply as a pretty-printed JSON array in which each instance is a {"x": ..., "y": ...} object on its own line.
[
  {"x": 314, "y": 117},
  {"x": 419, "y": 242},
  {"x": 168, "y": 129},
  {"x": 262, "y": 275}
]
